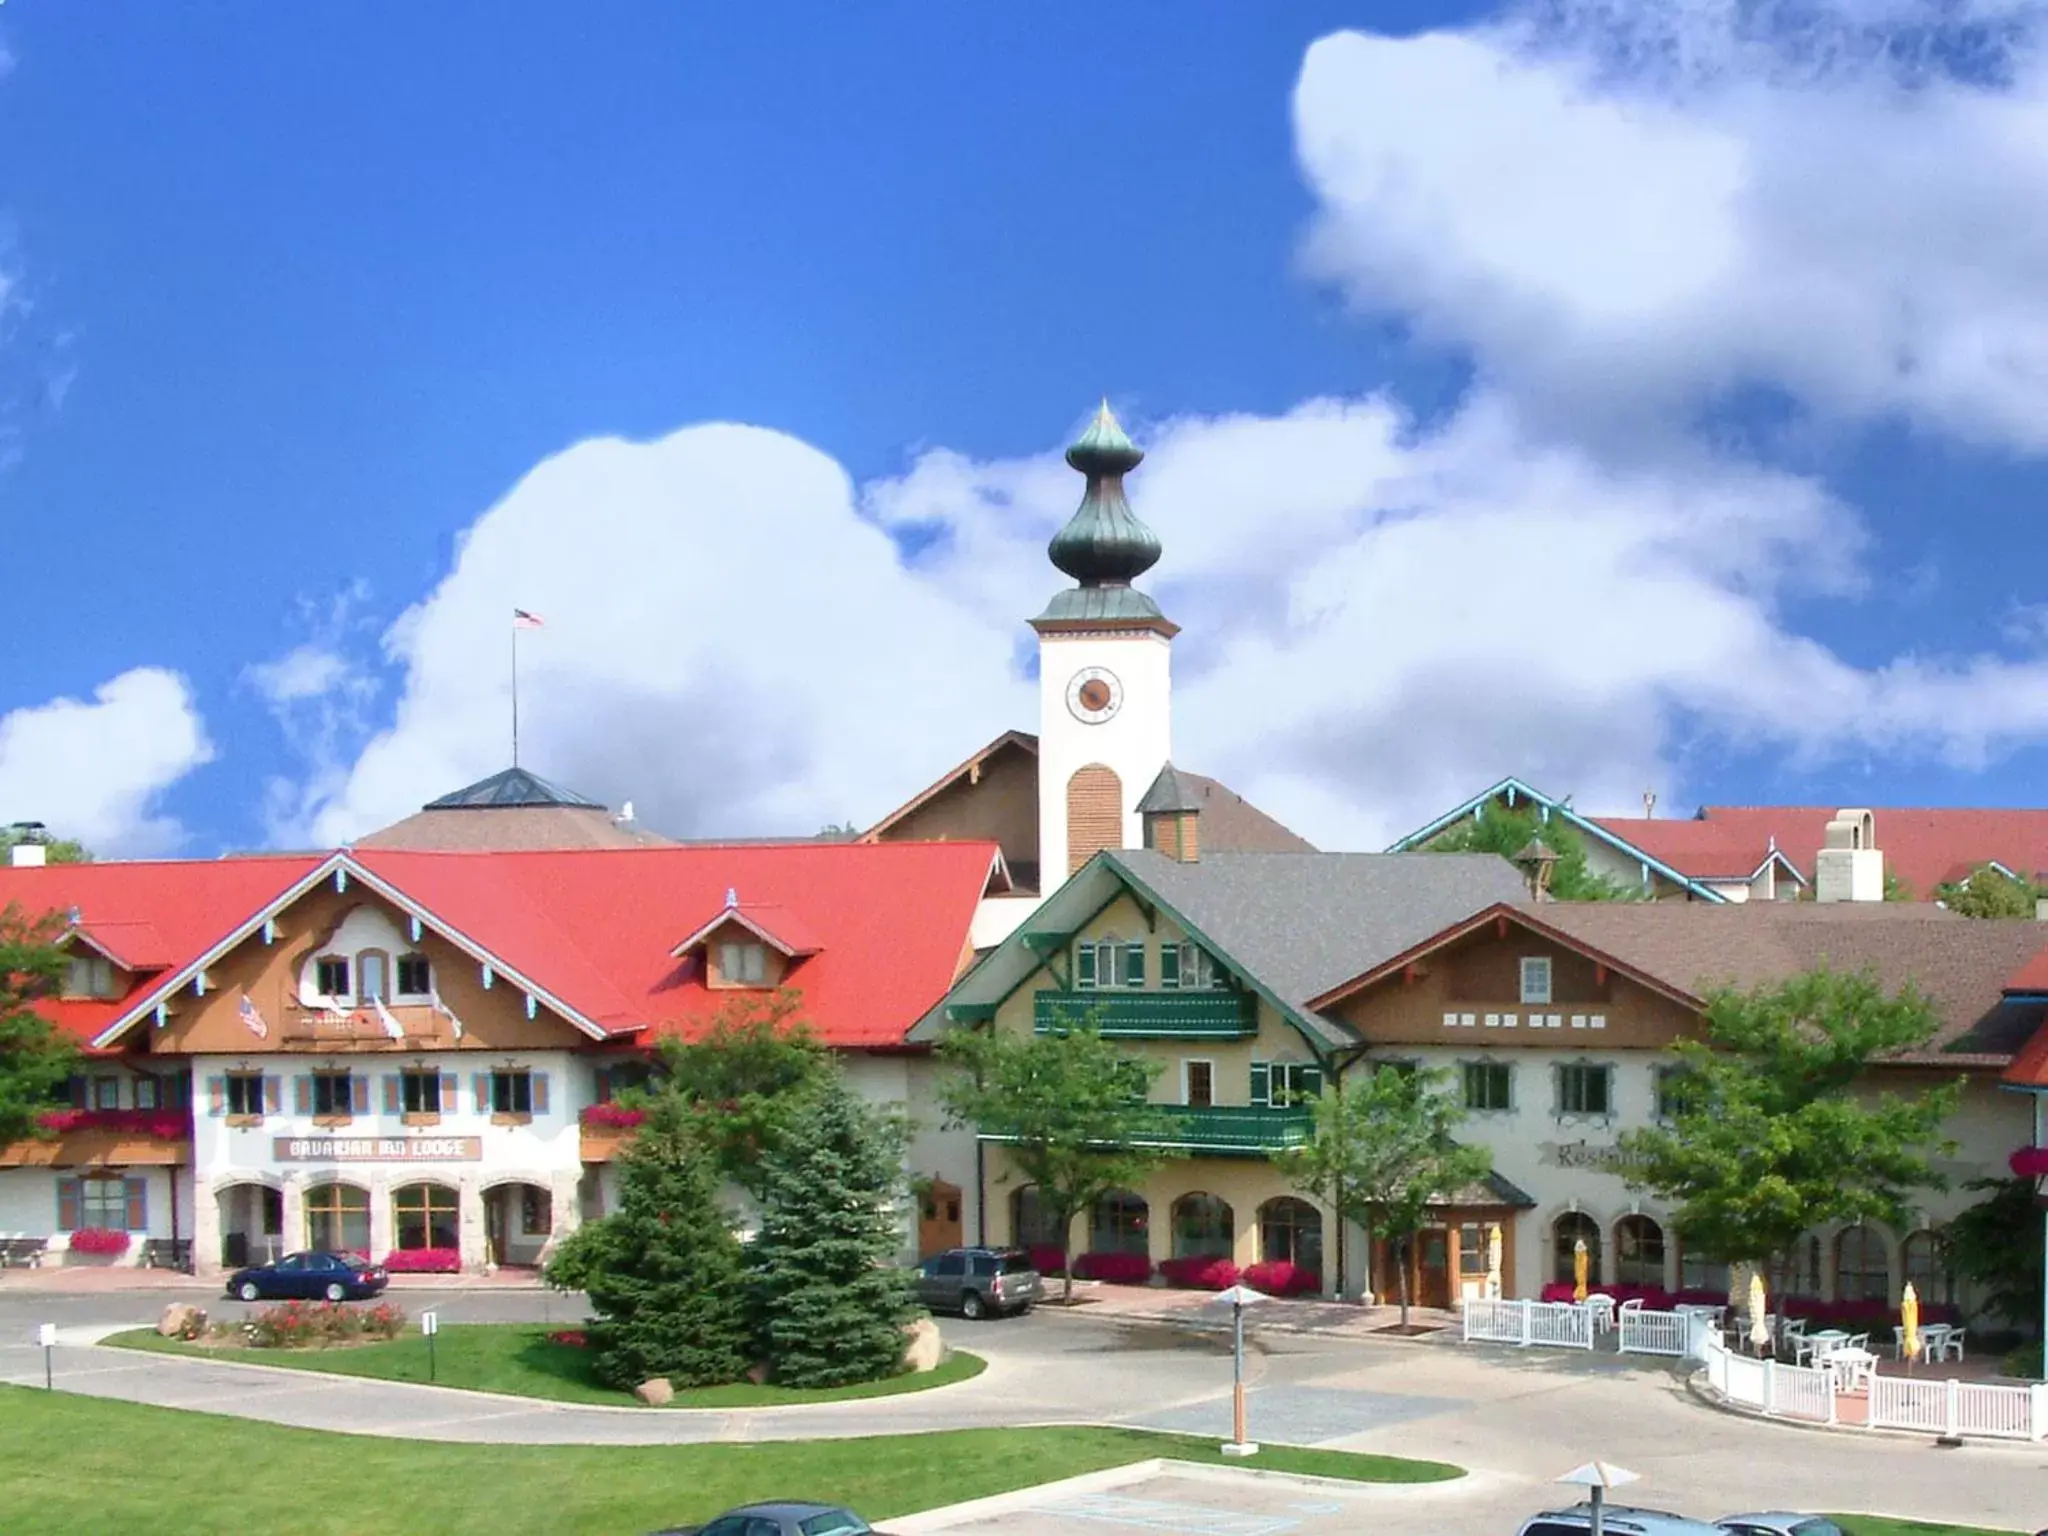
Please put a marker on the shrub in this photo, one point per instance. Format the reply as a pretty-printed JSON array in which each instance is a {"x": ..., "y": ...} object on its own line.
[
  {"x": 302, "y": 1325},
  {"x": 585, "y": 1252},
  {"x": 2023, "y": 1363},
  {"x": 99, "y": 1240},
  {"x": 1114, "y": 1268},
  {"x": 1048, "y": 1258},
  {"x": 1200, "y": 1272},
  {"x": 1278, "y": 1277},
  {"x": 424, "y": 1261}
]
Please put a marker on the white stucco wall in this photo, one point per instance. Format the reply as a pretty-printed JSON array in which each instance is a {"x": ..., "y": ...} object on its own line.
[
  {"x": 1136, "y": 741},
  {"x": 28, "y": 1207}
]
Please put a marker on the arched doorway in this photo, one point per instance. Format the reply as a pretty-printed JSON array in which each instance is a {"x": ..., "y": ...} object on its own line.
[
  {"x": 518, "y": 1220},
  {"x": 1639, "y": 1252},
  {"x": 1571, "y": 1229},
  {"x": 338, "y": 1219},
  {"x": 1031, "y": 1224},
  {"x": 1120, "y": 1222},
  {"x": 938, "y": 1218},
  {"x": 1291, "y": 1232},
  {"x": 1203, "y": 1227},
  {"x": 251, "y": 1225},
  {"x": 425, "y": 1216}
]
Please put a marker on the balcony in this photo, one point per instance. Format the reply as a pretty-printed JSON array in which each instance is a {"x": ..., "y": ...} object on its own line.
[
  {"x": 1152, "y": 1015},
  {"x": 605, "y": 1129},
  {"x": 1222, "y": 1130},
  {"x": 105, "y": 1138}
]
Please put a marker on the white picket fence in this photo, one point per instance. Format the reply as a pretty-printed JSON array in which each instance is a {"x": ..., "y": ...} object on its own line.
[
  {"x": 1781, "y": 1391},
  {"x": 1653, "y": 1333},
  {"x": 1959, "y": 1408},
  {"x": 1528, "y": 1322}
]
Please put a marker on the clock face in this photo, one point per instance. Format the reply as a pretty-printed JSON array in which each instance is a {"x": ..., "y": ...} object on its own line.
[{"x": 1094, "y": 695}]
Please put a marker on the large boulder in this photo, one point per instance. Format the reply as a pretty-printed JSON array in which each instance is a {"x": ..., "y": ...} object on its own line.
[
  {"x": 656, "y": 1392},
  {"x": 922, "y": 1350},
  {"x": 181, "y": 1320}
]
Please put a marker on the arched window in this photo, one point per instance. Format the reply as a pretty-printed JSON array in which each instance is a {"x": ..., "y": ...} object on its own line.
[
  {"x": 1638, "y": 1252},
  {"x": 338, "y": 1218},
  {"x": 1927, "y": 1268},
  {"x": 1119, "y": 1223},
  {"x": 373, "y": 975},
  {"x": 1203, "y": 1227},
  {"x": 1862, "y": 1272},
  {"x": 1697, "y": 1272},
  {"x": 1291, "y": 1232},
  {"x": 425, "y": 1216},
  {"x": 1031, "y": 1224},
  {"x": 1797, "y": 1273},
  {"x": 1571, "y": 1229}
]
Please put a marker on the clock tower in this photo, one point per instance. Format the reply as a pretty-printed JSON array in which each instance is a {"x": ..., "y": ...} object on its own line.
[{"x": 1104, "y": 673}]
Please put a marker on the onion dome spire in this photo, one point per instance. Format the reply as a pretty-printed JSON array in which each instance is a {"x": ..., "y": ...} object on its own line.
[{"x": 1104, "y": 546}]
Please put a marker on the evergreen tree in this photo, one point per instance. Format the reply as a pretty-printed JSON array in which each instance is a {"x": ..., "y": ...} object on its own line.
[
  {"x": 832, "y": 1301},
  {"x": 35, "y": 1056},
  {"x": 1507, "y": 832},
  {"x": 667, "y": 1284}
]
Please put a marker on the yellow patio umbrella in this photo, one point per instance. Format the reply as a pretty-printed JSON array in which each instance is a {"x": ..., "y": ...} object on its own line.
[
  {"x": 1909, "y": 1320},
  {"x": 1759, "y": 1330},
  {"x": 1581, "y": 1263}
]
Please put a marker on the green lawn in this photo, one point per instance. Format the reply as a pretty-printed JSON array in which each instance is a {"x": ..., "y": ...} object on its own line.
[
  {"x": 1877, "y": 1525},
  {"x": 517, "y": 1358},
  {"x": 71, "y": 1464}
]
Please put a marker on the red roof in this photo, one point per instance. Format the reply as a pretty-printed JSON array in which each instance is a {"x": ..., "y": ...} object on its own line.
[
  {"x": 776, "y": 924},
  {"x": 1923, "y": 847},
  {"x": 1701, "y": 850},
  {"x": 152, "y": 917},
  {"x": 2029, "y": 1069}
]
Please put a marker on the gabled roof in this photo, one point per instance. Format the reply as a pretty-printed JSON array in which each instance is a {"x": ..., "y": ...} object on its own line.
[
  {"x": 134, "y": 946},
  {"x": 1287, "y": 925},
  {"x": 510, "y": 786},
  {"x": 777, "y": 927},
  {"x": 1702, "y": 850},
  {"x": 969, "y": 769},
  {"x": 1924, "y": 846}
]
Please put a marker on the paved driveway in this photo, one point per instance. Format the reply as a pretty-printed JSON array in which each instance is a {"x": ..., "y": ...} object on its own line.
[{"x": 1516, "y": 1419}]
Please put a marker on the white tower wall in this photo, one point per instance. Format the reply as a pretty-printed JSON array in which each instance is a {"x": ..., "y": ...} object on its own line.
[{"x": 1134, "y": 742}]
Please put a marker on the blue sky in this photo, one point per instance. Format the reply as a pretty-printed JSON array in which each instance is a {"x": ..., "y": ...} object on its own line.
[{"x": 298, "y": 297}]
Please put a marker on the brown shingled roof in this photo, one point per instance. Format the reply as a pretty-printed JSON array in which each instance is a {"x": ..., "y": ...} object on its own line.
[{"x": 524, "y": 827}]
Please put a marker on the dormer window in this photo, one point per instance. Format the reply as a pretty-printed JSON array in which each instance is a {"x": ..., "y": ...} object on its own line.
[
  {"x": 1536, "y": 979},
  {"x": 331, "y": 976},
  {"x": 373, "y": 973},
  {"x": 88, "y": 976},
  {"x": 743, "y": 965},
  {"x": 415, "y": 976}
]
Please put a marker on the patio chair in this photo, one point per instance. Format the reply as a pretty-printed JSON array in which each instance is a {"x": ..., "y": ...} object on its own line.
[{"x": 1952, "y": 1343}]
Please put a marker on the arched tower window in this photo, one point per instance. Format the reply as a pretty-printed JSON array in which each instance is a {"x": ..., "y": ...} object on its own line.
[{"x": 1095, "y": 813}]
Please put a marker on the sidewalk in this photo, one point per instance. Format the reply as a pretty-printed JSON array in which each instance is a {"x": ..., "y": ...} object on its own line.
[{"x": 1320, "y": 1316}]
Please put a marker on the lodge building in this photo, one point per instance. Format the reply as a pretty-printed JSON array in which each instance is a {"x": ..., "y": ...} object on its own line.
[{"x": 413, "y": 1045}]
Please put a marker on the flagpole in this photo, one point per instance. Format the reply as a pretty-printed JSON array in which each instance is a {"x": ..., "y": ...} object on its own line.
[{"x": 515, "y": 693}]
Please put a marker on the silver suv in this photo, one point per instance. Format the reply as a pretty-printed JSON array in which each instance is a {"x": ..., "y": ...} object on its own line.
[
  {"x": 1621, "y": 1519},
  {"x": 978, "y": 1282}
]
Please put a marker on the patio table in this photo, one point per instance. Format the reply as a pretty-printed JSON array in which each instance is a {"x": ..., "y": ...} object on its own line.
[{"x": 1851, "y": 1368}]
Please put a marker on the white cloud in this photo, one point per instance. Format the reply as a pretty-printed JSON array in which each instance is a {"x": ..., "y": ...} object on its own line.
[{"x": 94, "y": 769}]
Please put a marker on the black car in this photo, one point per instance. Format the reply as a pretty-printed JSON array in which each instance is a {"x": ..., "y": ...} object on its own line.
[
  {"x": 791, "y": 1518},
  {"x": 978, "y": 1282},
  {"x": 310, "y": 1277}
]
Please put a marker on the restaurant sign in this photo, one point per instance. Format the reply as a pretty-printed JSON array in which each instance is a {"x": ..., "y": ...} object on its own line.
[
  {"x": 1583, "y": 1155},
  {"x": 378, "y": 1149}
]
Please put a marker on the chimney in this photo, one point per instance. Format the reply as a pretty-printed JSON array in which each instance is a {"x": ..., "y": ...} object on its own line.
[
  {"x": 1849, "y": 866},
  {"x": 2041, "y": 909},
  {"x": 27, "y": 851},
  {"x": 1172, "y": 815}
]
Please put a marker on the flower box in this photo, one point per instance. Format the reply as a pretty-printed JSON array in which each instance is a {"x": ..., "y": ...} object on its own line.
[
  {"x": 1114, "y": 1268},
  {"x": 1277, "y": 1277},
  {"x": 424, "y": 1261},
  {"x": 611, "y": 1115},
  {"x": 99, "y": 1242},
  {"x": 157, "y": 1124}
]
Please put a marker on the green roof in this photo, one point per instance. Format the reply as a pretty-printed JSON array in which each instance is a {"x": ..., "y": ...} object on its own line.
[
  {"x": 1167, "y": 794},
  {"x": 1104, "y": 546},
  {"x": 513, "y": 786}
]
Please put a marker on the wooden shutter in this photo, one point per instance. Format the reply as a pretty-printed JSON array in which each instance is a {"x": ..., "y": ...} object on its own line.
[
  {"x": 67, "y": 1205},
  {"x": 480, "y": 1083},
  {"x": 1134, "y": 965},
  {"x": 358, "y": 1093},
  {"x": 450, "y": 1090},
  {"x": 1262, "y": 1084},
  {"x": 137, "y": 1191},
  {"x": 216, "y": 1095},
  {"x": 1084, "y": 966},
  {"x": 1169, "y": 966},
  {"x": 540, "y": 1093},
  {"x": 393, "y": 1104},
  {"x": 302, "y": 1094},
  {"x": 273, "y": 1093}
]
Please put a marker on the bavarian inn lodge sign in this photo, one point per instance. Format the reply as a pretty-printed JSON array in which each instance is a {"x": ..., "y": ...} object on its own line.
[{"x": 378, "y": 1149}]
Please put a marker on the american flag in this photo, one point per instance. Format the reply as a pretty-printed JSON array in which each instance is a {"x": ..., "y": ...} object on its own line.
[
  {"x": 254, "y": 1019},
  {"x": 521, "y": 619}
]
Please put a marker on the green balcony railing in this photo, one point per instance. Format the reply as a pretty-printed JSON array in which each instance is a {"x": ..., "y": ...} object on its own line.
[
  {"x": 1221, "y": 1130},
  {"x": 1152, "y": 1015}
]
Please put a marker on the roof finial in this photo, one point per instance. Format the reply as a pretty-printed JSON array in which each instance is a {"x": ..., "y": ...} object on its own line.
[
  {"x": 1104, "y": 545},
  {"x": 732, "y": 896}
]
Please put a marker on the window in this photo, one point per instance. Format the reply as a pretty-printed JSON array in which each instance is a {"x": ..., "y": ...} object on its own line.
[
  {"x": 1488, "y": 1085},
  {"x": 1697, "y": 1272},
  {"x": 371, "y": 974},
  {"x": 1188, "y": 968},
  {"x": 1031, "y": 1223},
  {"x": 330, "y": 976},
  {"x": 1118, "y": 1223},
  {"x": 245, "y": 1093},
  {"x": 1282, "y": 1083},
  {"x": 148, "y": 1093},
  {"x": 1585, "y": 1089},
  {"x": 512, "y": 1093},
  {"x": 103, "y": 1202},
  {"x": 425, "y": 1216},
  {"x": 536, "y": 1211},
  {"x": 106, "y": 1093},
  {"x": 333, "y": 1094},
  {"x": 1671, "y": 1085},
  {"x": 743, "y": 965},
  {"x": 1573, "y": 1228},
  {"x": 1401, "y": 1066},
  {"x": 419, "y": 1093},
  {"x": 1291, "y": 1232},
  {"x": 1639, "y": 1252},
  {"x": 1536, "y": 978},
  {"x": 338, "y": 1218},
  {"x": 1926, "y": 1267},
  {"x": 838, "y": 1523},
  {"x": 415, "y": 976},
  {"x": 1108, "y": 963},
  {"x": 1797, "y": 1273},
  {"x": 1862, "y": 1268},
  {"x": 1203, "y": 1227},
  {"x": 88, "y": 976},
  {"x": 622, "y": 1077},
  {"x": 1471, "y": 1250},
  {"x": 1198, "y": 1083}
]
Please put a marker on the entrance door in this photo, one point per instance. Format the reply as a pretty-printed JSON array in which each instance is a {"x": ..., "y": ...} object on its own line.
[
  {"x": 938, "y": 1219},
  {"x": 1433, "y": 1268}
]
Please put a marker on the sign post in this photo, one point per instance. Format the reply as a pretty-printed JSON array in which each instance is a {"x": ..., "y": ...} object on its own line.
[
  {"x": 430, "y": 1324},
  {"x": 1239, "y": 1297},
  {"x": 1596, "y": 1477},
  {"x": 46, "y": 1335}
]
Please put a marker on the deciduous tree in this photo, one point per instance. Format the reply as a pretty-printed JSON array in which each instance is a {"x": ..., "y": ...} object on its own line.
[
  {"x": 1774, "y": 1128},
  {"x": 1383, "y": 1147},
  {"x": 35, "y": 1056},
  {"x": 743, "y": 1077},
  {"x": 1988, "y": 893},
  {"x": 1996, "y": 1246},
  {"x": 1069, "y": 1105},
  {"x": 1507, "y": 832}
]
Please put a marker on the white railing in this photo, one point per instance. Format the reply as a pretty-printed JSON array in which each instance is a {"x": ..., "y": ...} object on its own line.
[
  {"x": 1999, "y": 1413},
  {"x": 1780, "y": 1391},
  {"x": 1898, "y": 1402},
  {"x": 1652, "y": 1333},
  {"x": 1528, "y": 1322},
  {"x": 1959, "y": 1408}
]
